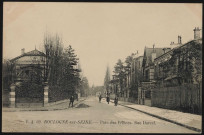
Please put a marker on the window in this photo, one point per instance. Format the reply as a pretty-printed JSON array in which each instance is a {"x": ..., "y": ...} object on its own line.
[
  {"x": 27, "y": 72},
  {"x": 147, "y": 75}
]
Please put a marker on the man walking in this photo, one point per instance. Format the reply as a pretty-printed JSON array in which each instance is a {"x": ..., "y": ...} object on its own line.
[
  {"x": 71, "y": 100},
  {"x": 108, "y": 99},
  {"x": 116, "y": 100},
  {"x": 100, "y": 98}
]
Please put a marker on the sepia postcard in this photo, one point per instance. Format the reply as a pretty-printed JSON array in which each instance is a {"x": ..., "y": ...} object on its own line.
[{"x": 83, "y": 67}]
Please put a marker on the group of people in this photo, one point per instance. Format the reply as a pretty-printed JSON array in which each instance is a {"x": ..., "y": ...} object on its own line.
[
  {"x": 108, "y": 99},
  {"x": 100, "y": 97}
]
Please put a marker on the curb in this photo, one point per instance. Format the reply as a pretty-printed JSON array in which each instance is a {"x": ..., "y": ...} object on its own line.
[
  {"x": 55, "y": 103},
  {"x": 43, "y": 108},
  {"x": 162, "y": 118},
  {"x": 68, "y": 107}
]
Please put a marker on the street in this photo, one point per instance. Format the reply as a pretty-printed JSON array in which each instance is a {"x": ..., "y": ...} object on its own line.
[{"x": 89, "y": 116}]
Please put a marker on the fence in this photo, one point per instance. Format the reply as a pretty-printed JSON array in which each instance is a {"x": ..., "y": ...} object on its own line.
[
  {"x": 133, "y": 100},
  {"x": 186, "y": 98}
]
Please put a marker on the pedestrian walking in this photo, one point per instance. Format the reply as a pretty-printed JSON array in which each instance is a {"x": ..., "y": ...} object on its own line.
[
  {"x": 116, "y": 100},
  {"x": 100, "y": 97},
  {"x": 108, "y": 99},
  {"x": 71, "y": 100}
]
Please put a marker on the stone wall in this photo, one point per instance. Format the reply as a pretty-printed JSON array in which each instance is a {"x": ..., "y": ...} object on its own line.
[{"x": 5, "y": 97}]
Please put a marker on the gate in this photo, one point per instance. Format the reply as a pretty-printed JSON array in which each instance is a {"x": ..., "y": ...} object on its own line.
[
  {"x": 30, "y": 92},
  {"x": 29, "y": 95}
]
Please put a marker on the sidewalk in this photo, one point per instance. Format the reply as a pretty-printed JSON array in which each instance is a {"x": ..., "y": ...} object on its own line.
[
  {"x": 60, "y": 105},
  {"x": 188, "y": 120}
]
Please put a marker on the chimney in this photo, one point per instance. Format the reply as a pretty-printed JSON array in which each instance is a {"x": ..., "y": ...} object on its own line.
[
  {"x": 164, "y": 49},
  {"x": 153, "y": 54},
  {"x": 153, "y": 47},
  {"x": 22, "y": 51},
  {"x": 172, "y": 45},
  {"x": 137, "y": 54},
  {"x": 179, "y": 39},
  {"x": 196, "y": 33}
]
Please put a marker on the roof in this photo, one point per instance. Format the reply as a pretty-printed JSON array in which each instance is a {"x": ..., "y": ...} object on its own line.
[
  {"x": 139, "y": 57},
  {"x": 31, "y": 53},
  {"x": 182, "y": 45},
  {"x": 148, "y": 53}
]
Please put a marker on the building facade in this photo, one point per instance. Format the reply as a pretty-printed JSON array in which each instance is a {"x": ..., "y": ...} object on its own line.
[
  {"x": 135, "y": 78},
  {"x": 179, "y": 59},
  {"x": 178, "y": 77},
  {"x": 144, "y": 91},
  {"x": 28, "y": 89}
]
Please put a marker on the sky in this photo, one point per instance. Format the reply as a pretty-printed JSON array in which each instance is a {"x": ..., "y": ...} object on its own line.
[{"x": 100, "y": 33}]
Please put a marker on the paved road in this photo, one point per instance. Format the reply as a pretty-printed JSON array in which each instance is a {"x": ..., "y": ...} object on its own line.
[{"x": 90, "y": 116}]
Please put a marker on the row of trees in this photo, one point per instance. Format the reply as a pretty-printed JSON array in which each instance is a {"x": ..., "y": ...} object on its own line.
[
  {"x": 121, "y": 75},
  {"x": 7, "y": 76},
  {"x": 107, "y": 80},
  {"x": 62, "y": 70}
]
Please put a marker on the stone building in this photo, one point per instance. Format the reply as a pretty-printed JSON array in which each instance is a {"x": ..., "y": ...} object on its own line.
[
  {"x": 135, "y": 78},
  {"x": 144, "y": 91},
  {"x": 27, "y": 89},
  {"x": 158, "y": 71},
  {"x": 148, "y": 61},
  {"x": 178, "y": 76},
  {"x": 168, "y": 75}
]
